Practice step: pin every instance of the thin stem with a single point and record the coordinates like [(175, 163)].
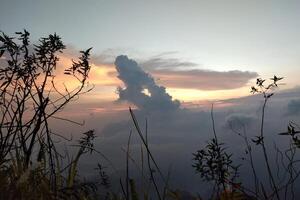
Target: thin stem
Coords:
[(273, 184)]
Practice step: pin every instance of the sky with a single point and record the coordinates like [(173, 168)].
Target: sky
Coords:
[(249, 36), (170, 60)]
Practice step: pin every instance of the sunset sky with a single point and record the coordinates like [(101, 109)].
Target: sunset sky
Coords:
[(198, 50), (170, 60)]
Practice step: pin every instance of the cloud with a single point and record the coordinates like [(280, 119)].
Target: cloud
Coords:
[(174, 72), (204, 79), (293, 107), (239, 121), (164, 60), (106, 57), (177, 73), (161, 62), (174, 136), (136, 81)]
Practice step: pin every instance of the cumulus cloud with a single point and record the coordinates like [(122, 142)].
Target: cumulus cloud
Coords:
[(136, 81)]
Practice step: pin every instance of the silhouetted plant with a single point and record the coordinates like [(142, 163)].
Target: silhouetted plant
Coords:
[(241, 131), (29, 97), (161, 195), (104, 181), (213, 163), (292, 131), (267, 92), (282, 180)]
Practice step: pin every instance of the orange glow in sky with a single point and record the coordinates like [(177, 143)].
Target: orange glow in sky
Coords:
[(105, 81), (196, 95)]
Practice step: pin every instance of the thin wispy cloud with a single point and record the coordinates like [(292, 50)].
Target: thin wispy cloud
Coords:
[(204, 79), (164, 61)]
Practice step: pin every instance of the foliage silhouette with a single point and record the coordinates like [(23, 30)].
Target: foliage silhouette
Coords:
[(29, 98), (213, 162)]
